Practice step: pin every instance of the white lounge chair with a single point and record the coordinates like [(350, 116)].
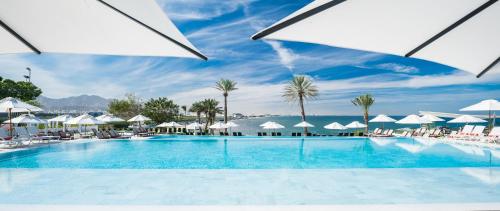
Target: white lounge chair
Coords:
[(493, 136), (466, 130), (6, 141), (476, 134)]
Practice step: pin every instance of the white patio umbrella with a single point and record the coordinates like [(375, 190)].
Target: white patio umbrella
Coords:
[(273, 126), (60, 118), (169, 124), (382, 118), (139, 118), (109, 118), (413, 120), (24, 119), (335, 126), (218, 126), (410, 28), (432, 118), (467, 119), (304, 124), (485, 105), (194, 126), (9, 105), (231, 125), (85, 120), (355, 125), (107, 27)]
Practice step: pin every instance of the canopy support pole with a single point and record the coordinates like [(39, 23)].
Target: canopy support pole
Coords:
[(488, 68), (451, 27), (19, 37), (155, 31), (297, 18)]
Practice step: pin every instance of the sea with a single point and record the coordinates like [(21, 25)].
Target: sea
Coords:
[(250, 126)]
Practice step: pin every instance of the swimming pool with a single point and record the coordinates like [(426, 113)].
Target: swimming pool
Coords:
[(251, 171)]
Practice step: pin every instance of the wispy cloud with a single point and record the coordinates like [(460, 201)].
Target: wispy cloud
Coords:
[(287, 56), (399, 68)]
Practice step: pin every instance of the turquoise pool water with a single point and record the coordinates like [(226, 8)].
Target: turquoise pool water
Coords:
[(250, 153), (251, 171)]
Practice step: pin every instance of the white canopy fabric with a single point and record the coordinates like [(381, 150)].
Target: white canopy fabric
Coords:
[(273, 126), (231, 125), (16, 105), (432, 118), (170, 124), (466, 119), (413, 120), (335, 126), (304, 124), (218, 126), (61, 118), (106, 27), (464, 35), (84, 119), (26, 119), (266, 123), (382, 118), (194, 126), (485, 105), (139, 118), (108, 118), (355, 124)]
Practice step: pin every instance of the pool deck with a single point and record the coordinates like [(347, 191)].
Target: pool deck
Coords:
[(409, 207)]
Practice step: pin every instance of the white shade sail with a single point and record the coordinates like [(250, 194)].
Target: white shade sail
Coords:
[(485, 105), (304, 124), (61, 118), (273, 126), (413, 120), (231, 125), (84, 119), (464, 35), (16, 105), (382, 118), (467, 119), (355, 124), (109, 118), (218, 126), (139, 118), (170, 124), (432, 118), (335, 126), (105, 27)]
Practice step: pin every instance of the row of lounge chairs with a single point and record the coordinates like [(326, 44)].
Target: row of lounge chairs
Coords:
[(227, 134), (142, 132), (106, 134), (476, 133), (382, 133), (423, 132), (272, 134)]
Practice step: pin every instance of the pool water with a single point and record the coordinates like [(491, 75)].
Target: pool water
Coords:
[(251, 153), (251, 171)]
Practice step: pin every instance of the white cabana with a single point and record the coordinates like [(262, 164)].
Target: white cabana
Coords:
[(170, 125), (485, 105), (84, 119), (139, 118), (467, 119), (231, 125), (439, 31), (304, 124), (355, 124), (382, 118), (266, 123), (218, 126), (413, 120), (106, 27), (273, 126), (60, 118), (9, 105), (335, 126), (194, 126), (432, 118), (109, 118)]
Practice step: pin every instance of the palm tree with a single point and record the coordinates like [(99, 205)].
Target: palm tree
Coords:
[(364, 101), (300, 88), (226, 86), (210, 108), (197, 107)]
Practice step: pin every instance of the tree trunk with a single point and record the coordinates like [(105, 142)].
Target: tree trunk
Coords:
[(302, 112), (225, 110), (365, 116)]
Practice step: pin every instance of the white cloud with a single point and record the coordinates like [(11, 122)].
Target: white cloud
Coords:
[(399, 68), (184, 10), (287, 56)]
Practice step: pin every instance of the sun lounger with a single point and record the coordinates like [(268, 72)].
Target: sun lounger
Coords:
[(492, 137), (278, 134)]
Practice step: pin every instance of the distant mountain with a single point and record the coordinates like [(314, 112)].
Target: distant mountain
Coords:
[(77, 104)]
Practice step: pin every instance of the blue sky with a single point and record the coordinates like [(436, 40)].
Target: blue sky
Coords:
[(222, 30)]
